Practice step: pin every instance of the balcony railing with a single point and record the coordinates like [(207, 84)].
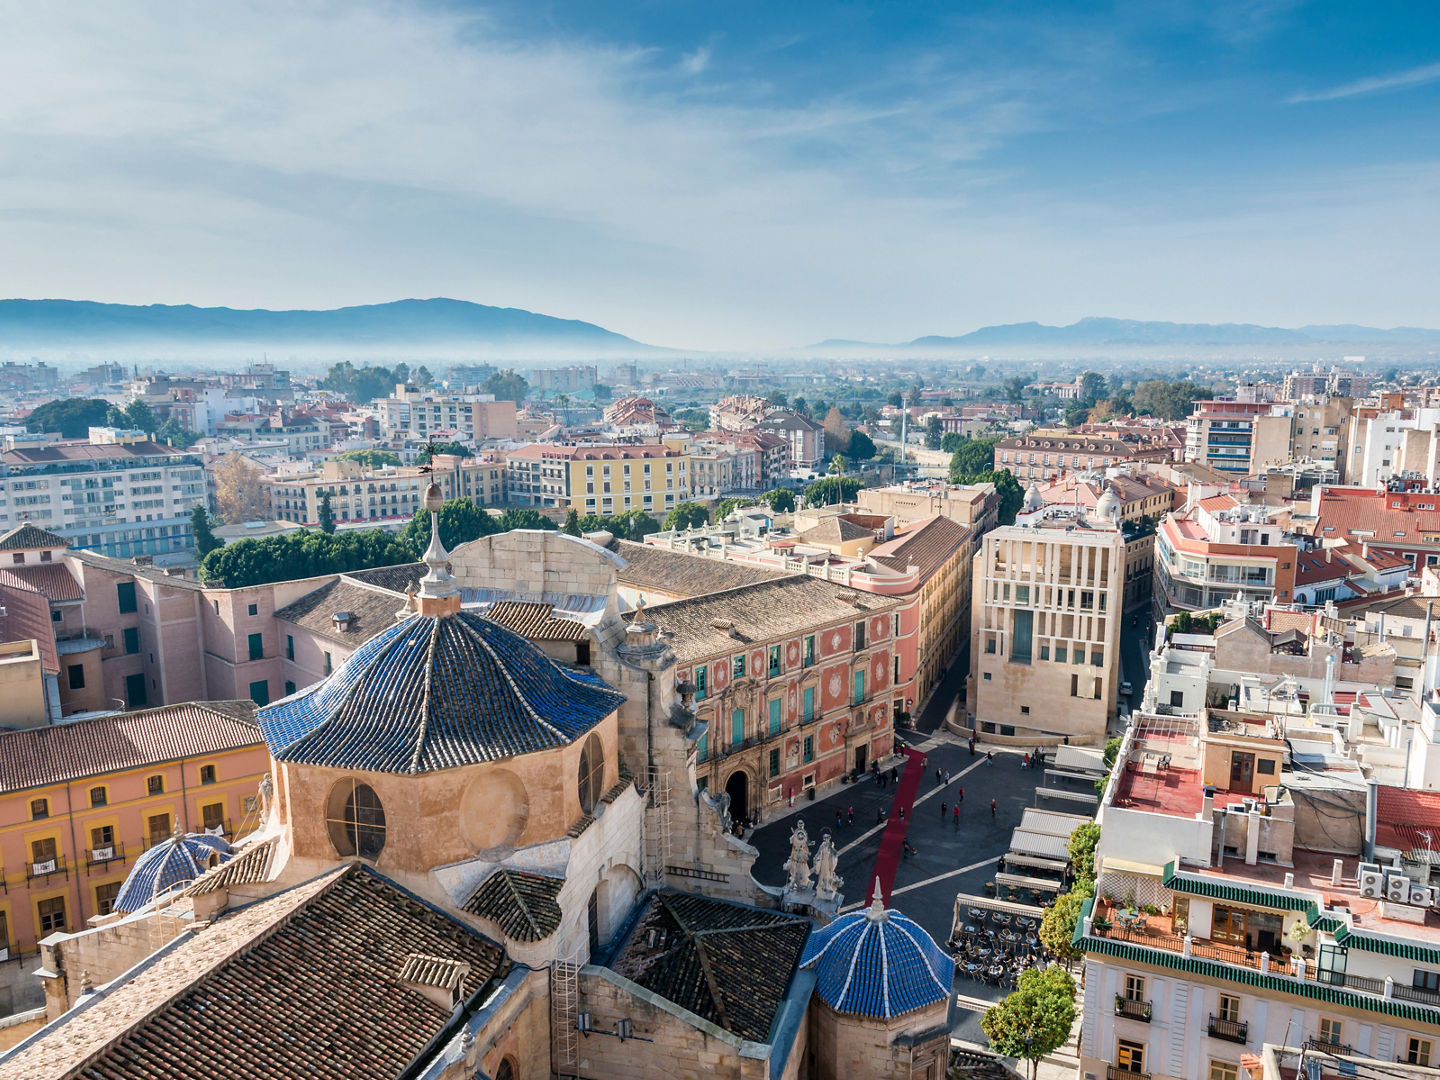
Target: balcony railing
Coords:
[(1132, 1009), (1236, 1031), (45, 869), (1114, 1072), (105, 855), (1325, 1046)]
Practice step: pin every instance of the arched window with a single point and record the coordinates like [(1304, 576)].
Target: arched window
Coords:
[(592, 774), (506, 1071), (356, 820)]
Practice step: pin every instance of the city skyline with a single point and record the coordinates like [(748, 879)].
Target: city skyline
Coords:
[(736, 179)]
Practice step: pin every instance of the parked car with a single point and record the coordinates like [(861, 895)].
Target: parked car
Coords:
[(1126, 689)]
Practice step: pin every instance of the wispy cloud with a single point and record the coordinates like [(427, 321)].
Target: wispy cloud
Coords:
[(696, 62), (1376, 84)]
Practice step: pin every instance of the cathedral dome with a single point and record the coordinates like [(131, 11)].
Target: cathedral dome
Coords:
[(1033, 499), (877, 963), (169, 865), (1107, 507), (436, 692)]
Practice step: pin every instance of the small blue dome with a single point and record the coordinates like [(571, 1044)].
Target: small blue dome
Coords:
[(877, 963), (166, 867)]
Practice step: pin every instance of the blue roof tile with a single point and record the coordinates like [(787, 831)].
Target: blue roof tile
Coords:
[(436, 692), (879, 967), (169, 865)]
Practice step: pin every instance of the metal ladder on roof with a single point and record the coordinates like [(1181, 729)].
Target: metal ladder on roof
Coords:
[(565, 1015), (657, 827)]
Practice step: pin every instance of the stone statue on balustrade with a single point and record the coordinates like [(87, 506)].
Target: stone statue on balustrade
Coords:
[(798, 865), (827, 881)]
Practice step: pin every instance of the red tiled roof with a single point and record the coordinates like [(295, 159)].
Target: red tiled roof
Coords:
[(53, 580), (1401, 812), (926, 544), (1312, 566), (28, 537), (27, 615), (61, 752), (594, 453)]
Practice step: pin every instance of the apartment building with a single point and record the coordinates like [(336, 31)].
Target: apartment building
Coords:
[(1223, 547), (80, 801), (717, 470), (1047, 455), (975, 506), (1375, 521), (417, 414), (1304, 384), (1384, 443), (795, 680), (1238, 438), (386, 495), (599, 479), (1045, 627), (772, 451), (1319, 430), (805, 436), (1219, 925), (117, 492), (576, 379), (302, 433)]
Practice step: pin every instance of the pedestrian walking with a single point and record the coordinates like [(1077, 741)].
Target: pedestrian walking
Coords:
[(962, 799), (943, 808), (880, 816), (989, 758), (992, 808), (902, 813), (972, 745), (955, 815), (939, 775), (850, 816), (839, 820), (894, 775), (1025, 761)]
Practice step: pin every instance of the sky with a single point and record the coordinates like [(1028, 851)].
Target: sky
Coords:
[(732, 176)]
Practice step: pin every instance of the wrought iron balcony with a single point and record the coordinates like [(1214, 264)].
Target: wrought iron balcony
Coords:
[(1133, 1009), (1236, 1031)]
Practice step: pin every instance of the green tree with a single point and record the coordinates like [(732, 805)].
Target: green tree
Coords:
[(401, 371), (1166, 399), (838, 465), (915, 398), (1007, 489), (453, 449), (177, 435), (137, 416), (725, 506), (830, 490), (523, 517), (507, 386), (781, 500), (1092, 387), (1015, 388), (572, 522), (71, 417), (372, 459), (1057, 928), (862, 447), (972, 457), (327, 515), (301, 553), (1036, 1019), (934, 433), (951, 441), (777, 397), (800, 406), (1084, 838), (205, 539), (423, 378), (602, 394), (686, 515), (461, 521), (896, 399), (360, 384), (837, 432)]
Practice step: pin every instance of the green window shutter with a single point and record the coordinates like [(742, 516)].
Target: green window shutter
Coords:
[(775, 716), (737, 727)]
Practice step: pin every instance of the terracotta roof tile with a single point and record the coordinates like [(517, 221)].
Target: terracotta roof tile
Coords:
[(27, 615), (28, 537), (524, 905), (60, 752), (400, 579), (678, 574), (536, 621), (927, 545), (371, 610), (54, 580)]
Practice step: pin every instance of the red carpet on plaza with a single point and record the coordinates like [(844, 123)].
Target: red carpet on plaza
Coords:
[(887, 860)]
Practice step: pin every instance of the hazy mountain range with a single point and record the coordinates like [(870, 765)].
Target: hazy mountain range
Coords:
[(1099, 331), (403, 323)]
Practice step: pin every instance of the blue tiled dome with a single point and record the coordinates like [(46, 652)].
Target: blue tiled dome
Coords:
[(167, 866), (880, 965), (435, 692)]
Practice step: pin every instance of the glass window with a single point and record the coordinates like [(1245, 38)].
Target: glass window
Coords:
[(212, 816), (774, 660), (774, 763), (52, 914), (702, 674), (1229, 1008), (158, 828), (807, 703), (1417, 1051), (99, 796), (1130, 1056), (809, 748), (809, 650), (132, 640), (289, 646), (39, 808), (75, 673), (155, 785), (1224, 1070), (1331, 1030), (207, 774), (356, 820), (125, 597), (254, 609), (739, 665), (1020, 642)]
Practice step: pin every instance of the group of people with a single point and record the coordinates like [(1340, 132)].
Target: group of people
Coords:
[(995, 947)]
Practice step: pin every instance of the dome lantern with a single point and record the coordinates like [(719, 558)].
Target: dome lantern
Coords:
[(439, 591)]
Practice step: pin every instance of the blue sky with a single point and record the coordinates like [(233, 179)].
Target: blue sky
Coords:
[(731, 175)]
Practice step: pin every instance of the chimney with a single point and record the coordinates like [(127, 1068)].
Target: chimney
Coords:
[(1337, 872), (1372, 796), (440, 979)]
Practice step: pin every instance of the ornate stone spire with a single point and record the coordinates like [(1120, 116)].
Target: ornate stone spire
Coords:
[(876, 911), (439, 592)]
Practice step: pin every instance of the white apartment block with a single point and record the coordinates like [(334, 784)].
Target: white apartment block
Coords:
[(118, 493), (1391, 443), (381, 496), (1046, 607), (469, 418), (717, 471)]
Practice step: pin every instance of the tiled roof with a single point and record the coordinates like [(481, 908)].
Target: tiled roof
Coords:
[(1312, 566), (304, 984), (1217, 888), (435, 693), (401, 579), (836, 530), (371, 610), (536, 621), (27, 537), (168, 866), (250, 865), (54, 580), (128, 567), (628, 452), (926, 544), (728, 964), (27, 615), (523, 904), (723, 622), (54, 754), (433, 971), (678, 574), (880, 967), (1401, 812)]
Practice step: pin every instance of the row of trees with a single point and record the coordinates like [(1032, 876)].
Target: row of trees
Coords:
[(1036, 1019), (309, 552), (372, 380), (74, 417)]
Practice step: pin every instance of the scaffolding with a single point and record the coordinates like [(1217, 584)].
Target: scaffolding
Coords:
[(564, 1014), (657, 831)]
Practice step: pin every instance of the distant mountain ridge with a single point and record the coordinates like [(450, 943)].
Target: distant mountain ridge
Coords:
[(402, 322), (1106, 331)]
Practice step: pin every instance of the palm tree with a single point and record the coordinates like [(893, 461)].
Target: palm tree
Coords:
[(837, 465)]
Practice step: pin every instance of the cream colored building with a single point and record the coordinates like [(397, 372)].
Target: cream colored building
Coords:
[(359, 493), (1045, 626), (470, 417)]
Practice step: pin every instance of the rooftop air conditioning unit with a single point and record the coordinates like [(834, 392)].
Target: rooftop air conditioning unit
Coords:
[(1421, 895), (1397, 887), (1372, 883)]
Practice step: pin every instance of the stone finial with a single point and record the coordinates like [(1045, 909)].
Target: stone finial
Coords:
[(876, 910), (439, 591), (87, 984)]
